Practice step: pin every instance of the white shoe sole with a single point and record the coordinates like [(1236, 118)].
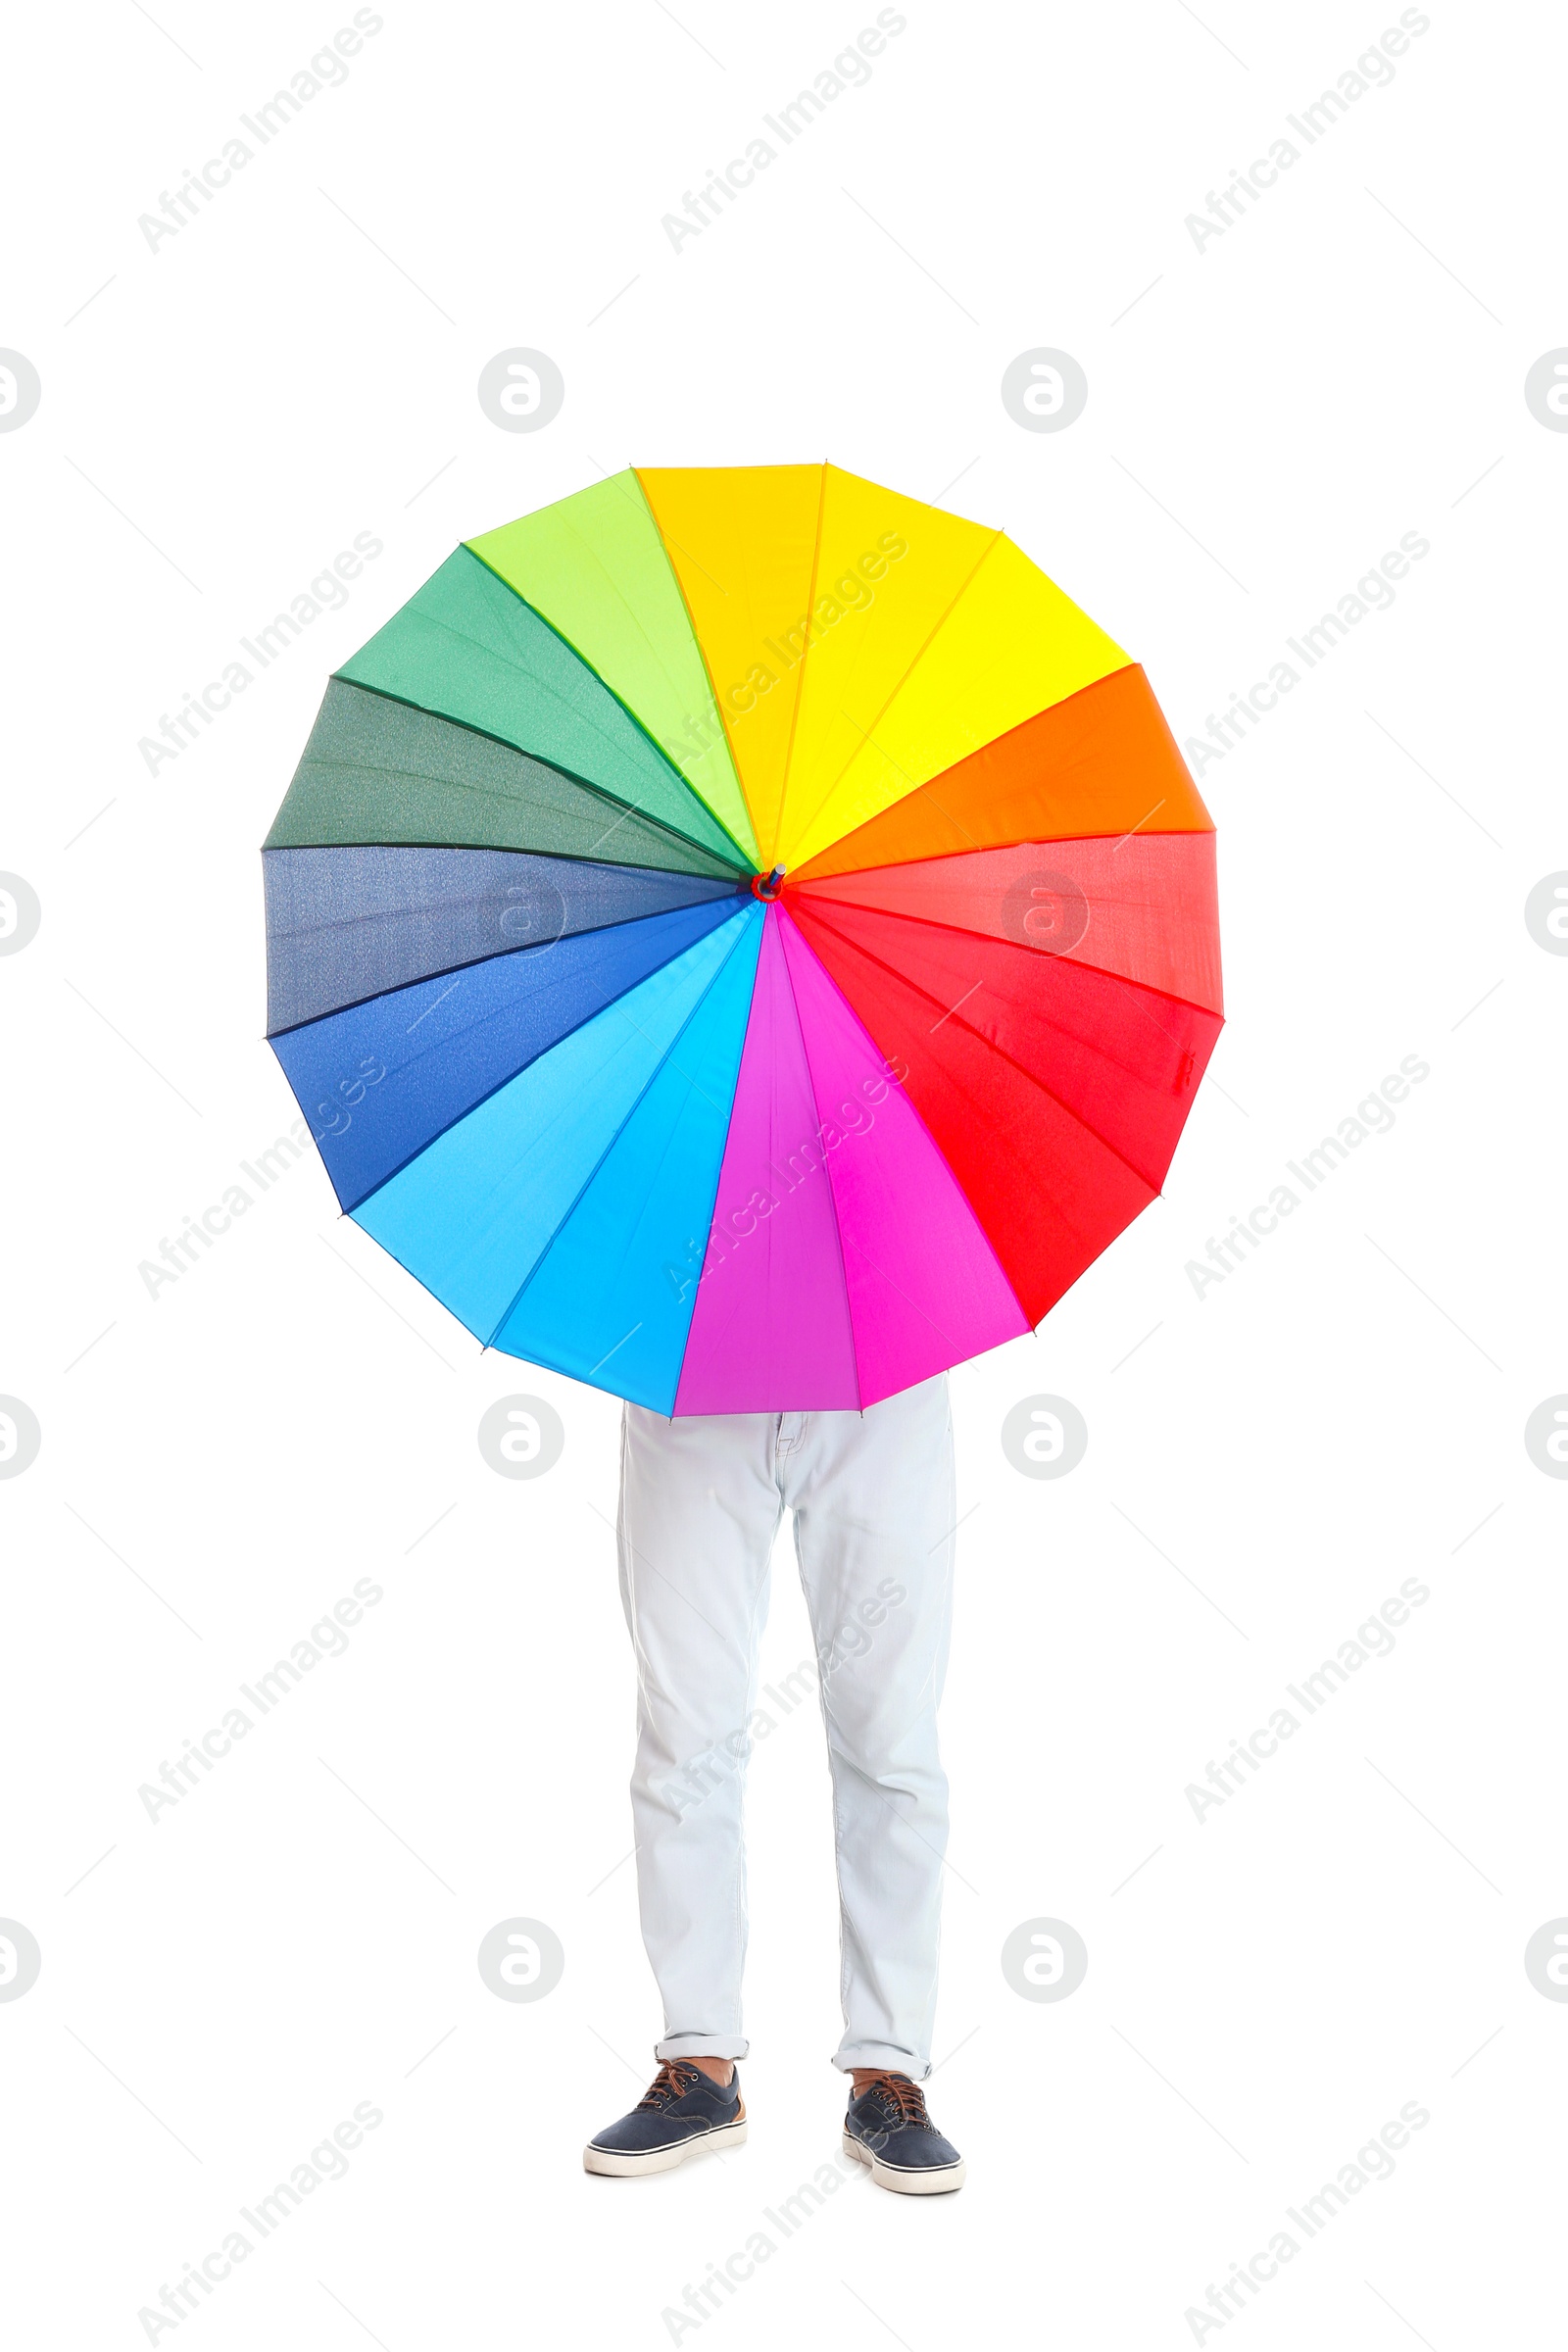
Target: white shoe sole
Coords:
[(905, 2183), (611, 2162)]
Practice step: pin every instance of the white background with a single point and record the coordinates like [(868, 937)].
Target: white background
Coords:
[(221, 1463)]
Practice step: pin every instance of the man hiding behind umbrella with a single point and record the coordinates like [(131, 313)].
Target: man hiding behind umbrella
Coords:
[(701, 1502)]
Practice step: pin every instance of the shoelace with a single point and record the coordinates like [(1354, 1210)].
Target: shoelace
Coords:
[(672, 2081), (904, 2099)]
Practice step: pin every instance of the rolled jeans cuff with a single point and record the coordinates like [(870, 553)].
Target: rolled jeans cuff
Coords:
[(885, 2058), (702, 2046)]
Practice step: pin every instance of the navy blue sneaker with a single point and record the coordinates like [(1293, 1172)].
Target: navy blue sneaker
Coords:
[(888, 2129), (683, 2115)]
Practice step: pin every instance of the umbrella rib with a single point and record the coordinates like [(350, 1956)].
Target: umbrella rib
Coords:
[(799, 683), (470, 963), (665, 543), (578, 654), (718, 1166), (942, 1158), (980, 1228), (1004, 1054), (1014, 1062), (819, 896), (957, 823), (646, 507), (912, 786), (599, 791), (667, 539), (614, 1139), (728, 875), (588, 783), (817, 1106), (1084, 759), (901, 680), (811, 875), (447, 628), (611, 1003)]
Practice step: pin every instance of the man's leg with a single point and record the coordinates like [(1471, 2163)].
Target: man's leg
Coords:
[(872, 1495), (699, 1509)]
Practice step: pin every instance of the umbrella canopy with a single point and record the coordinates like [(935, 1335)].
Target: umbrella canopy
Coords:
[(743, 938)]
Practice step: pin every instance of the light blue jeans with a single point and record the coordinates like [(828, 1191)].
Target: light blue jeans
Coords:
[(700, 1500)]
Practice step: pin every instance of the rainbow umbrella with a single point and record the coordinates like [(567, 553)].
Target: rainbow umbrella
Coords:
[(743, 938)]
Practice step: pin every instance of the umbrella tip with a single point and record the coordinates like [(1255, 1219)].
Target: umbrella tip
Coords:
[(769, 886)]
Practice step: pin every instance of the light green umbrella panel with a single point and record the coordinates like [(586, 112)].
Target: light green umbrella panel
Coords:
[(596, 567)]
